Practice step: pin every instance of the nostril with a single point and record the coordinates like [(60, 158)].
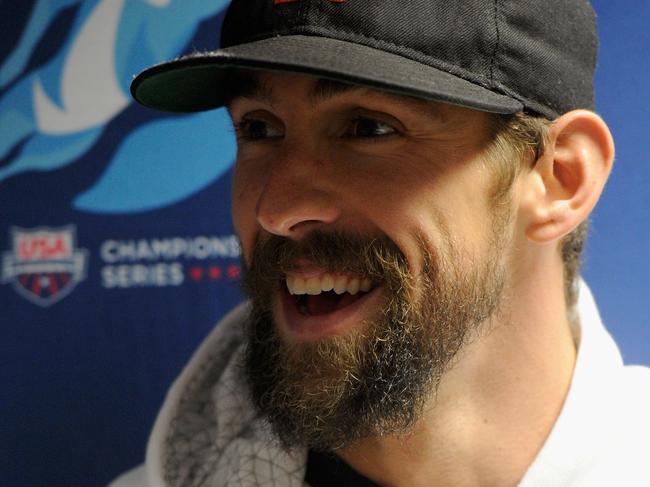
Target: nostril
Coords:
[(297, 227)]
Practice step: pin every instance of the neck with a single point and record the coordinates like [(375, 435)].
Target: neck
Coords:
[(495, 407)]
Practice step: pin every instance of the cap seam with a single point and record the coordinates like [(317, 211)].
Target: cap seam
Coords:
[(497, 42), (303, 9)]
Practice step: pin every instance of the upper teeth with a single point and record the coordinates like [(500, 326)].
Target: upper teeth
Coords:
[(327, 282)]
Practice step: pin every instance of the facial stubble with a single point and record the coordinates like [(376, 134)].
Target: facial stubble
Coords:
[(376, 379)]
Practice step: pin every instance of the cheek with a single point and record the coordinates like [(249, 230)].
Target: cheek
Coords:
[(449, 210), (244, 202)]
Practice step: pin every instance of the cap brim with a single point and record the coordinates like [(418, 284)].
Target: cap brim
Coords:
[(197, 82)]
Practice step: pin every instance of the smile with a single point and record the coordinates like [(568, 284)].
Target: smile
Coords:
[(316, 285), (318, 304)]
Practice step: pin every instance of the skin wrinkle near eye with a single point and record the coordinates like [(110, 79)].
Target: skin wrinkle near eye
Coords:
[(442, 121), (402, 117)]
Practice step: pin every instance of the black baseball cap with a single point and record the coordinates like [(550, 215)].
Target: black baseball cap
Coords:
[(499, 56)]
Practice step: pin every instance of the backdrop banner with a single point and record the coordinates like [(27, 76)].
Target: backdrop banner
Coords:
[(117, 253)]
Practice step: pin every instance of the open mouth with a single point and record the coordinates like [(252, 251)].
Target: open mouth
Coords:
[(317, 304), (320, 295)]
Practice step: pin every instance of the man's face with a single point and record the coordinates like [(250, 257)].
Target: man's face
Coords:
[(371, 249)]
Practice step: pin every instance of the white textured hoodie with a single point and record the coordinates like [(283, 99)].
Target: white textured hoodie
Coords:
[(207, 433)]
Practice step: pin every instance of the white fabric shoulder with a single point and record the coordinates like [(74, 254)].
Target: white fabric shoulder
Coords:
[(602, 435), (136, 477), (225, 336), (208, 433)]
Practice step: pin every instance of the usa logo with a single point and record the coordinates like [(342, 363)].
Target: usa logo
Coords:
[(44, 264)]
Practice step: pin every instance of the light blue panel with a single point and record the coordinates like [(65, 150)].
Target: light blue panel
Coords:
[(163, 162), (618, 255)]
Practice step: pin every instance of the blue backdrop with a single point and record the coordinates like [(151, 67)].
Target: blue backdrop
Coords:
[(117, 253)]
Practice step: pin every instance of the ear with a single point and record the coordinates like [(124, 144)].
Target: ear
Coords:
[(569, 177)]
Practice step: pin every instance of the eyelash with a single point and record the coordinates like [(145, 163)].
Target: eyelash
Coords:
[(362, 118), (241, 129)]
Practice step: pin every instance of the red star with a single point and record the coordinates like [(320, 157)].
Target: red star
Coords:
[(196, 273), (233, 271), (214, 272)]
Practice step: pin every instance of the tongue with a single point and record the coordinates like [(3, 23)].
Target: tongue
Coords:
[(329, 302)]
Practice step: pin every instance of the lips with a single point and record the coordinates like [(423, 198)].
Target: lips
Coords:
[(316, 304)]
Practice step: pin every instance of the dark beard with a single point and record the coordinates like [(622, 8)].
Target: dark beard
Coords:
[(376, 379)]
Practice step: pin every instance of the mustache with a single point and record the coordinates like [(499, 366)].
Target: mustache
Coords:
[(377, 258)]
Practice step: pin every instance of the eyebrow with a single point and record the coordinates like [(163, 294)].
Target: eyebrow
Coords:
[(247, 84), (325, 89)]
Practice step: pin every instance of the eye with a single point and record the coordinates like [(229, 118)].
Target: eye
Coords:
[(368, 128), (252, 129)]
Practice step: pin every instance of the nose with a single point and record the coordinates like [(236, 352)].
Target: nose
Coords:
[(297, 197)]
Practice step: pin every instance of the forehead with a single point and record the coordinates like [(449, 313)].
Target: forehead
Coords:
[(271, 88)]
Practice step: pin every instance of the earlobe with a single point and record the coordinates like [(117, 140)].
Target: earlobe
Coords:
[(569, 177)]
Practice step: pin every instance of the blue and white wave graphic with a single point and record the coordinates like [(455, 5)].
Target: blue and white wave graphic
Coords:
[(53, 114)]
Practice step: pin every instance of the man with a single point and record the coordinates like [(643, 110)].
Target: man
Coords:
[(410, 192)]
